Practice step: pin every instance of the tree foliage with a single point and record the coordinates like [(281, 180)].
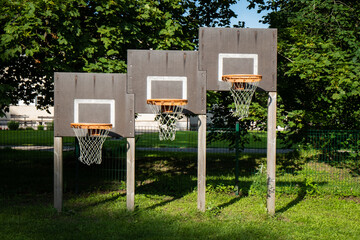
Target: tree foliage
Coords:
[(319, 61), (40, 37), (221, 106)]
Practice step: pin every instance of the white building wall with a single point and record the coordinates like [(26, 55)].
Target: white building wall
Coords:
[(31, 115), (144, 121)]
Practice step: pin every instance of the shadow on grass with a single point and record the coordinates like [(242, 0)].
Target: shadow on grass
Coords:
[(166, 174), (306, 188), (231, 202), (96, 203), (293, 203), (172, 186), (41, 223), (163, 203), (19, 175)]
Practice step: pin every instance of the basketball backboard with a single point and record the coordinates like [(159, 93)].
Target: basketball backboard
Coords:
[(227, 51), (154, 74), (93, 98)]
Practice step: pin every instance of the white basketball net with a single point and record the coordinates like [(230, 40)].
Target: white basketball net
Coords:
[(91, 142), (242, 93), (167, 120)]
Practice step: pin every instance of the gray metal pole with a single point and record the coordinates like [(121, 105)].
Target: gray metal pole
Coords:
[(271, 153), (130, 174), (58, 173), (201, 162)]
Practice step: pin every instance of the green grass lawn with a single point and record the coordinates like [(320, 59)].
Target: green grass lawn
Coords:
[(29, 138), (103, 215), (184, 139), (166, 202), (318, 201), (255, 139)]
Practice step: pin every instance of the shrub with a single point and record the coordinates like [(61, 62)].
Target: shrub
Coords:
[(40, 127), (50, 126), (29, 128), (13, 125), (259, 185)]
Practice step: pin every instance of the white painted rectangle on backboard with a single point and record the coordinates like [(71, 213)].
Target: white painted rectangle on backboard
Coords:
[(222, 56), (151, 79), (109, 102)]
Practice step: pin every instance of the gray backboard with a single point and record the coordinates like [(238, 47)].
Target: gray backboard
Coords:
[(166, 74), (238, 51), (93, 98)]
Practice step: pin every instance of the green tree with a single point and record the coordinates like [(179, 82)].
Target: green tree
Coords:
[(318, 62), (40, 37), (221, 105)]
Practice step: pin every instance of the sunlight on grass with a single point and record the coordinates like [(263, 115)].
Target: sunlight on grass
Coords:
[(104, 216), (315, 198)]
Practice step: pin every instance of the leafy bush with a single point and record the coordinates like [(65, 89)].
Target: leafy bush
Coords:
[(259, 185), (220, 188), (40, 127), (13, 125), (308, 187), (29, 128), (311, 187), (50, 126), (292, 161)]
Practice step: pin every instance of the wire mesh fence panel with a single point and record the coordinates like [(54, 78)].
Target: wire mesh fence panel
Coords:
[(26, 160), (157, 158), (329, 162), (111, 173), (114, 153), (165, 167), (333, 160)]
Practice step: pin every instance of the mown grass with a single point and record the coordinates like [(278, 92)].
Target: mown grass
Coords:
[(307, 207), (188, 139), (184, 139), (35, 167), (29, 138), (100, 215)]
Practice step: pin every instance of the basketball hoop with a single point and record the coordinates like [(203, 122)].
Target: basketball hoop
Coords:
[(243, 87), (168, 112), (91, 137)]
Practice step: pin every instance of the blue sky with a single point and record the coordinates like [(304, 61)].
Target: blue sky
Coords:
[(251, 17)]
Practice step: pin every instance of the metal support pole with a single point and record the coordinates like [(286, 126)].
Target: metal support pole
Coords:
[(237, 139), (201, 162), (58, 173), (271, 153), (130, 174)]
